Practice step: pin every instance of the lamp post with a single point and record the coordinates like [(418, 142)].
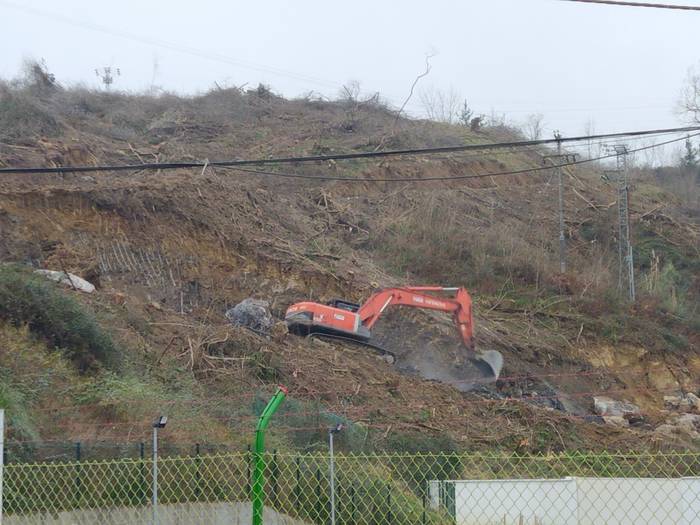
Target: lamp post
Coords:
[(158, 423), (332, 432)]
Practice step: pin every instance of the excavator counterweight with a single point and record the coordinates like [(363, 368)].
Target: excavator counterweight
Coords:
[(346, 320)]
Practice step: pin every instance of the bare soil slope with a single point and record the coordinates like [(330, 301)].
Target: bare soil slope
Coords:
[(171, 251)]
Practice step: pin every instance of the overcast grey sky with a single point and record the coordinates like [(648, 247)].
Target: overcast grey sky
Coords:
[(623, 67)]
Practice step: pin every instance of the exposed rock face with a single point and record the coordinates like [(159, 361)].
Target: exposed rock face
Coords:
[(682, 402), (605, 406), (686, 425), (617, 421), (693, 401)]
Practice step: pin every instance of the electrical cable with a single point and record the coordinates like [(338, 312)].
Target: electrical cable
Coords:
[(638, 4), (347, 156), (453, 177)]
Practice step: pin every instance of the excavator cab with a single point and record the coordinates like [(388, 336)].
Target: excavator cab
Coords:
[(342, 304)]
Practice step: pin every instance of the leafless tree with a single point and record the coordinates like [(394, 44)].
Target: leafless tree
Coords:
[(405, 102), (413, 86), (350, 92), (442, 106), (689, 103), (534, 126)]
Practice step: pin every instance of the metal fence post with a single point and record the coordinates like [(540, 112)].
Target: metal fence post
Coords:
[(197, 473), (353, 503), (331, 475), (318, 494), (2, 455), (249, 467), (258, 489), (389, 514), (297, 488), (142, 455), (154, 493), (274, 474), (78, 456)]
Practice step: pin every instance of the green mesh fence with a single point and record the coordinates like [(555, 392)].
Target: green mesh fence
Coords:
[(456, 489)]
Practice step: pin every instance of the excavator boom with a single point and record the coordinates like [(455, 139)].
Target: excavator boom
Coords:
[(344, 319), (417, 297)]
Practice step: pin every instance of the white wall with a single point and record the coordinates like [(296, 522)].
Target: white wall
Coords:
[(575, 501)]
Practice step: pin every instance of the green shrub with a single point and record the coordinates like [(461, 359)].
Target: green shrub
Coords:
[(53, 315)]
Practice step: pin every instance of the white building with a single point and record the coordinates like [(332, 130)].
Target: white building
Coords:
[(569, 501)]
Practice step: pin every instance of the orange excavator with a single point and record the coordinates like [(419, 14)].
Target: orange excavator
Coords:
[(345, 320)]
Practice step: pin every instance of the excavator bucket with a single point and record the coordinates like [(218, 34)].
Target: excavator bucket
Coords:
[(489, 362)]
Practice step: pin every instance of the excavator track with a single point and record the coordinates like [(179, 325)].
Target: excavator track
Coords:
[(390, 357)]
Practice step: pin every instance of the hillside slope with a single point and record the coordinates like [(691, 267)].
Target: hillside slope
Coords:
[(170, 252)]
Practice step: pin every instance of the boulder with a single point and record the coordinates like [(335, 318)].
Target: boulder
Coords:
[(251, 313), (605, 406), (616, 421), (693, 401), (673, 402), (681, 401), (686, 425), (689, 423), (68, 279), (666, 431)]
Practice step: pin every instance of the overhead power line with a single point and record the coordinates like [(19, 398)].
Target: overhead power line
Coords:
[(346, 156), (638, 4), (453, 177)]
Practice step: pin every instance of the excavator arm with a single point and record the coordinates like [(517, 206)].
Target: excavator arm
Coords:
[(345, 320), (415, 296)]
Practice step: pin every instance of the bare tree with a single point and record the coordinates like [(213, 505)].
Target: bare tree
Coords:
[(413, 86), (442, 106), (689, 103), (534, 126), (425, 73), (350, 92)]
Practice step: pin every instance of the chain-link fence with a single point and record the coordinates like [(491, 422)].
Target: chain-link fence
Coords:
[(65, 451), (457, 489)]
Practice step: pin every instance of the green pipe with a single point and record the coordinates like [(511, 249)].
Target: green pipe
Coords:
[(258, 493)]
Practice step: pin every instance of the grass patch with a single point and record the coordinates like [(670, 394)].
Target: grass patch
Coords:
[(51, 314)]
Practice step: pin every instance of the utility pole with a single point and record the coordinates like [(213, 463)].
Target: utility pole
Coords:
[(625, 280), (106, 75), (561, 159)]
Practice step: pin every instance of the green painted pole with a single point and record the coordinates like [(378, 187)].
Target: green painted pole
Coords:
[(258, 493)]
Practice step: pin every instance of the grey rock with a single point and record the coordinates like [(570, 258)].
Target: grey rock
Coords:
[(693, 401), (616, 421), (605, 406), (251, 313)]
